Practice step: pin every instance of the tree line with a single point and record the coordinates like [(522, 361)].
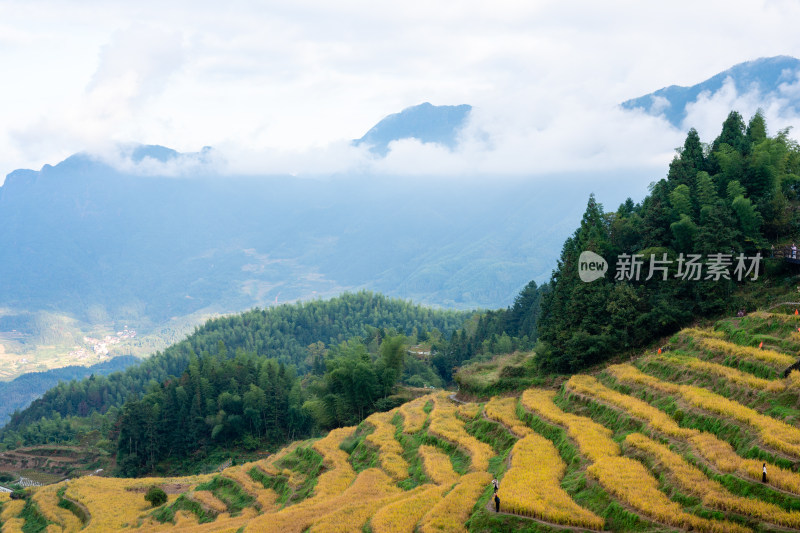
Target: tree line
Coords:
[(493, 332), (255, 402)]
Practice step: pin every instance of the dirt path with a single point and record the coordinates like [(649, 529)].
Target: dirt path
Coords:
[(82, 508), (169, 488), (453, 398)]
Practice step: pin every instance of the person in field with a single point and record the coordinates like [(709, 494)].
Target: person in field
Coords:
[(496, 503), (764, 473)]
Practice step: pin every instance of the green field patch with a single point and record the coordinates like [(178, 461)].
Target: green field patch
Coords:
[(229, 492), (306, 461), (35, 522), (362, 454), (184, 503)]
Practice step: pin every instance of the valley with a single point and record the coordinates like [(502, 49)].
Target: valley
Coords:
[(47, 341)]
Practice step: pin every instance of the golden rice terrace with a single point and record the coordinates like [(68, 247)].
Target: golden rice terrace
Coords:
[(672, 440)]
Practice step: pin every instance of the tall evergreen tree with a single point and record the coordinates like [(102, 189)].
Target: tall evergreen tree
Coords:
[(733, 133), (692, 152)]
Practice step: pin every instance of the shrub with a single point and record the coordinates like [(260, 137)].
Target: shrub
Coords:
[(156, 496), (512, 371)]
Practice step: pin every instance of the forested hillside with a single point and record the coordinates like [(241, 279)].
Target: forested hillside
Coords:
[(494, 332), (255, 402), (736, 196), (723, 202), (296, 336)]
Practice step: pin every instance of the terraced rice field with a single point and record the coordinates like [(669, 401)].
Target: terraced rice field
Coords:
[(676, 440)]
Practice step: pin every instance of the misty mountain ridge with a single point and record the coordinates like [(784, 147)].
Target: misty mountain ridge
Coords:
[(90, 239), (146, 250), (425, 122), (767, 76)]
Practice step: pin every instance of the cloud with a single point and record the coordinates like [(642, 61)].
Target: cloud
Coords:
[(134, 68), (709, 111), (495, 143), (501, 140), (128, 159), (113, 105), (282, 87), (491, 145)]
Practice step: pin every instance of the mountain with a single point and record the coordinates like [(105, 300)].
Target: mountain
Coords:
[(425, 122), (766, 76), (18, 393), (155, 152), (159, 242), (108, 247), (90, 240)]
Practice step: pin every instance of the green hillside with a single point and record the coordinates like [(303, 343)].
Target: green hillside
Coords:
[(286, 342)]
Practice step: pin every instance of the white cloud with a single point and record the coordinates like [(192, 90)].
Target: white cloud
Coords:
[(710, 110), (133, 69), (282, 87), (183, 165), (659, 105)]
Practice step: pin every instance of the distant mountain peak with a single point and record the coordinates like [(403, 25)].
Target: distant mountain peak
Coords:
[(131, 158), (764, 75), (425, 122), (153, 151), (133, 152)]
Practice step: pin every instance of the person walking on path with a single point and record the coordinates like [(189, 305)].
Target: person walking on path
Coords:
[(496, 503), (764, 474), (496, 485)]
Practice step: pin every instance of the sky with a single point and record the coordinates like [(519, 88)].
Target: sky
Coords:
[(281, 87)]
